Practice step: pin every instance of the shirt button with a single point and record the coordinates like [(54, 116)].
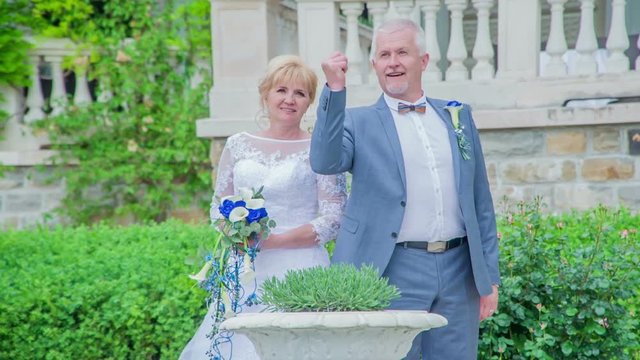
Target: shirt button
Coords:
[(394, 235), (403, 204)]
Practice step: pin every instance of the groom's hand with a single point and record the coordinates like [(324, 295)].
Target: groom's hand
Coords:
[(335, 70), (489, 304)]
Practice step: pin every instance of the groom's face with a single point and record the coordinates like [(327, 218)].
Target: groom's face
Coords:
[(399, 64)]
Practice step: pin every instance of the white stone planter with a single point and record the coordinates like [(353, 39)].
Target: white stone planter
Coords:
[(376, 335)]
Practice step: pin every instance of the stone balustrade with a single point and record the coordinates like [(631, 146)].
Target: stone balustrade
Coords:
[(59, 77), (519, 63), (483, 52)]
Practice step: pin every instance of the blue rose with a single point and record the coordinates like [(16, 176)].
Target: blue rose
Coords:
[(228, 205), (225, 208), (256, 215), (453, 103)]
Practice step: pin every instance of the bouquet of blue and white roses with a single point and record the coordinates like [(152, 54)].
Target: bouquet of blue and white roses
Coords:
[(229, 272)]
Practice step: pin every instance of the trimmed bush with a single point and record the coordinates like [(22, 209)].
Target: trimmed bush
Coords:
[(99, 292), (570, 286), (571, 289)]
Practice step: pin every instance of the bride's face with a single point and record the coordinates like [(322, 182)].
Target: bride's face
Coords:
[(287, 103)]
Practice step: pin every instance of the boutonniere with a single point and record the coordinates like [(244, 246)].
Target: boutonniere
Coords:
[(454, 108)]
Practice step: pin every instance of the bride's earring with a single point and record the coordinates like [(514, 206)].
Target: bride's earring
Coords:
[(262, 119), (306, 122)]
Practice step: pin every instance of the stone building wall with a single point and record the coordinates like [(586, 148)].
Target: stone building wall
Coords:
[(26, 198), (570, 167)]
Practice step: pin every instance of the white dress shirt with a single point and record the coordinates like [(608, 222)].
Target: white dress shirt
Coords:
[(432, 211)]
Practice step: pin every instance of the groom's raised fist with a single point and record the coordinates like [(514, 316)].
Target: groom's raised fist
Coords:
[(335, 70)]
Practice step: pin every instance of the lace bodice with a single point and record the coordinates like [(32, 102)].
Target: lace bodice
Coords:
[(294, 194)]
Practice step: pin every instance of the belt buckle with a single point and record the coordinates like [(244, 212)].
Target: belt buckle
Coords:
[(437, 247)]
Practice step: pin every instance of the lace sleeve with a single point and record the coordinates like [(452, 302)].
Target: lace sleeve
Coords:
[(332, 196), (224, 180)]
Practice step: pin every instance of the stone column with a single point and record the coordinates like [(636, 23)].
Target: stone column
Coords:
[(243, 37), (318, 31), (518, 38)]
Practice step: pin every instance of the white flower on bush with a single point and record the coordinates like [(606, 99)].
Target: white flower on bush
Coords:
[(132, 145), (122, 57)]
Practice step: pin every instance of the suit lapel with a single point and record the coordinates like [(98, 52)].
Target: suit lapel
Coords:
[(455, 152), (386, 119)]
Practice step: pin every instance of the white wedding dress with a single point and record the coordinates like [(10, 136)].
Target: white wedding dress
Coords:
[(294, 196)]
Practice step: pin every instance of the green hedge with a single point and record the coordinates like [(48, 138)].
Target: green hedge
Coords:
[(571, 289), (99, 292), (571, 286)]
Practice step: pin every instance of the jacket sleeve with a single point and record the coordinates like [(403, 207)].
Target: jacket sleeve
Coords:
[(484, 208), (332, 141)]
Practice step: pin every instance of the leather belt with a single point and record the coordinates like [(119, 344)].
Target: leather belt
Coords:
[(435, 246)]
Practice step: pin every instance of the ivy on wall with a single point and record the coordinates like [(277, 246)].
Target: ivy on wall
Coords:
[(14, 65)]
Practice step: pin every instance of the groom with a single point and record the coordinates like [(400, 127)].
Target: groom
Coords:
[(420, 209)]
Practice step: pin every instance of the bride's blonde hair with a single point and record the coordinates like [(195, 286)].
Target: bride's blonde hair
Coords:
[(286, 69)]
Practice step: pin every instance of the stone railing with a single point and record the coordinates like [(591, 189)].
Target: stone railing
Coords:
[(51, 89), (483, 52)]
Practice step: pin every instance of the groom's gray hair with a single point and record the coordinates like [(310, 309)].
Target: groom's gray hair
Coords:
[(398, 24)]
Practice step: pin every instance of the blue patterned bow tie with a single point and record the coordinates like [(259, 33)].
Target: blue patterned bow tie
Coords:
[(405, 108)]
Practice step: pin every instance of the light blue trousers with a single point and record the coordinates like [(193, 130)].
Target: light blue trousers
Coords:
[(442, 284)]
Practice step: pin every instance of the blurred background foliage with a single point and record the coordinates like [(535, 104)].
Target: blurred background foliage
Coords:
[(132, 154)]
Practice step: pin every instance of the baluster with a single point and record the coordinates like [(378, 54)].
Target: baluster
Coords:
[(35, 98), (404, 8), (392, 13), (638, 58), (104, 90), (587, 43), (58, 99), (377, 9), (82, 95), (617, 41), (430, 8), (352, 10), (457, 52), (557, 43), (313, 45), (518, 39), (483, 50)]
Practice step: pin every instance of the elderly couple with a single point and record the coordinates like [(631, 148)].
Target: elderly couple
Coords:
[(420, 208)]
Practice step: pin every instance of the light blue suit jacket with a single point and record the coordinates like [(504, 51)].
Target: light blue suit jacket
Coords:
[(364, 141)]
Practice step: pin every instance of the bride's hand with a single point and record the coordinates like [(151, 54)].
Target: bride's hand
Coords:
[(258, 241)]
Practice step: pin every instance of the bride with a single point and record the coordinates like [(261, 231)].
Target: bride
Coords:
[(306, 206)]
